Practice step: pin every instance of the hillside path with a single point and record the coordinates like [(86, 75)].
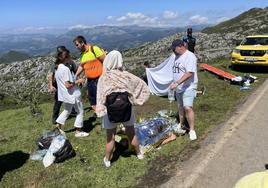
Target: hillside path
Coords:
[(231, 151)]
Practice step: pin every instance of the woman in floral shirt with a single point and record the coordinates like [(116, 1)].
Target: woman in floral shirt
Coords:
[(114, 79)]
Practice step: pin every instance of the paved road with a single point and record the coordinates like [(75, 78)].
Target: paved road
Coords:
[(238, 148)]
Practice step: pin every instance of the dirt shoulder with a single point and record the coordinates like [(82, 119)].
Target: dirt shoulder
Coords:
[(232, 150)]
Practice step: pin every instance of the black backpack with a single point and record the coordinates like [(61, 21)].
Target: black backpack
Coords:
[(118, 107), (191, 44)]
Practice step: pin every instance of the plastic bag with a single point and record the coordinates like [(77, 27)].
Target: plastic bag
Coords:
[(45, 140), (65, 152), (56, 144), (38, 155)]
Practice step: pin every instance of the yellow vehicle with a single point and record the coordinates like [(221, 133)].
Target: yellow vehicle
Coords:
[(253, 50)]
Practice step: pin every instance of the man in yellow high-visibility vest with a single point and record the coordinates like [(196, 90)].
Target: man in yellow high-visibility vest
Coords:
[(91, 62)]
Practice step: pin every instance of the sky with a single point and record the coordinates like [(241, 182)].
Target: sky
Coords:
[(36, 16)]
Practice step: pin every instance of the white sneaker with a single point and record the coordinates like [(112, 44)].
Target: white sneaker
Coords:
[(106, 162), (192, 135), (140, 156), (81, 134), (179, 130)]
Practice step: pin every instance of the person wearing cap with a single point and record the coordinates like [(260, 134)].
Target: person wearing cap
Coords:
[(53, 84), (185, 83), (189, 40)]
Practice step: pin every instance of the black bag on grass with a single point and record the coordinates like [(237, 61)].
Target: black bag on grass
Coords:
[(65, 152), (45, 140), (118, 107)]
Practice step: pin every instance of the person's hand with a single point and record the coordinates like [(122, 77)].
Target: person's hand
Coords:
[(80, 81), (52, 89), (173, 85)]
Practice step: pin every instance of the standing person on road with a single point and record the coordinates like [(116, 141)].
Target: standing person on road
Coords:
[(69, 93), (91, 63), (185, 82), (53, 84), (189, 40)]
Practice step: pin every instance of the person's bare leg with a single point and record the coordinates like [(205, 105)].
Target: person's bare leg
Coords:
[(130, 131), (110, 142), (181, 115), (169, 139), (190, 117)]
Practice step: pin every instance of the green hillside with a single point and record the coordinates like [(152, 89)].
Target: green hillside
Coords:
[(12, 56), (253, 21)]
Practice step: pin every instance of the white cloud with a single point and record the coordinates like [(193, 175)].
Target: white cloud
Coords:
[(222, 19), (170, 14), (197, 19), (121, 19), (79, 26), (136, 18), (32, 29), (165, 19)]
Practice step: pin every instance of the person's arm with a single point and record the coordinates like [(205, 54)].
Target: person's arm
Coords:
[(79, 70), (185, 77), (101, 58), (50, 79), (69, 84)]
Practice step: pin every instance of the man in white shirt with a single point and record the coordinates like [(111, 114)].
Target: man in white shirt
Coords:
[(185, 82), (69, 93)]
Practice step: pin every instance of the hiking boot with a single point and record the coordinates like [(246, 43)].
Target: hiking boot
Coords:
[(192, 135), (107, 163), (81, 134)]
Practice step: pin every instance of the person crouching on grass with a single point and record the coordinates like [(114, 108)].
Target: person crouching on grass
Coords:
[(69, 93), (114, 79)]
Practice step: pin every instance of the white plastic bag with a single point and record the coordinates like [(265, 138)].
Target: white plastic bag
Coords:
[(56, 144)]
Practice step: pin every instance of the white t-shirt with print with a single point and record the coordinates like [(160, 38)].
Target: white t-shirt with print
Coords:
[(187, 62), (62, 75)]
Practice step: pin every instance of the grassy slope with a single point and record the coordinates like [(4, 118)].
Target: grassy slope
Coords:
[(232, 24), (19, 131)]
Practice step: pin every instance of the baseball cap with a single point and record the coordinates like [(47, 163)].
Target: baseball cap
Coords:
[(176, 43)]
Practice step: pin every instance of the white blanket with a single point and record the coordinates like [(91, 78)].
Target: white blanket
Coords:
[(160, 77)]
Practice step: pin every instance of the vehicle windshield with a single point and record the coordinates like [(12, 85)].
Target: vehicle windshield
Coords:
[(255, 41)]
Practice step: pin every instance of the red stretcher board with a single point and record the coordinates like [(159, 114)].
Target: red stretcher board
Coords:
[(216, 71)]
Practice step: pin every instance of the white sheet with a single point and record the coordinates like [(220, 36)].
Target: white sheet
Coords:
[(161, 76)]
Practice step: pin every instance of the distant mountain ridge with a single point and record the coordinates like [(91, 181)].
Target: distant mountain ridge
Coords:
[(109, 37)]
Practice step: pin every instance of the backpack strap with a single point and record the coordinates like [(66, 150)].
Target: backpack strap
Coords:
[(92, 50)]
